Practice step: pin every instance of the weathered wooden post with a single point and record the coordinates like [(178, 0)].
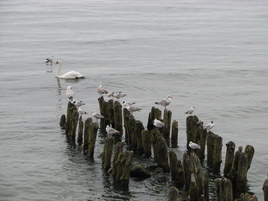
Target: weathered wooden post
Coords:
[(191, 123), (173, 194), (86, 130), (214, 150), (118, 123), (107, 153), (154, 114), (162, 152), (92, 134), (80, 131), (206, 187), (265, 190), (177, 170), (247, 197), (249, 151), (224, 189), (105, 111), (63, 121), (127, 118), (138, 130), (197, 170), (187, 170), (193, 192), (70, 109), (118, 149), (146, 143), (229, 157), (166, 127), (73, 122), (174, 134)]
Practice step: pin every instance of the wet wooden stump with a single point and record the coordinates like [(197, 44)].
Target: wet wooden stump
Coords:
[(187, 170), (240, 166), (197, 170), (118, 149), (107, 153), (62, 121), (86, 131), (176, 168), (154, 114), (103, 105), (265, 190), (167, 126), (173, 194), (92, 135), (80, 131), (174, 134), (224, 189), (74, 122), (69, 117), (229, 157), (247, 197), (206, 187), (197, 134), (138, 130), (214, 151), (146, 143), (117, 120), (193, 192), (160, 150)]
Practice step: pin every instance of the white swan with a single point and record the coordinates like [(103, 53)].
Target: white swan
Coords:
[(68, 75)]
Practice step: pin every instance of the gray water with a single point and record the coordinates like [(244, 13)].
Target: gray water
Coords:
[(209, 54)]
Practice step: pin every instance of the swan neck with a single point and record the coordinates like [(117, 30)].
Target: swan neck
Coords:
[(59, 70)]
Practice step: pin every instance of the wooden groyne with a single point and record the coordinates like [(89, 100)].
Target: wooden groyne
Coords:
[(190, 173)]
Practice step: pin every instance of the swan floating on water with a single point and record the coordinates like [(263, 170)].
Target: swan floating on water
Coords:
[(68, 75)]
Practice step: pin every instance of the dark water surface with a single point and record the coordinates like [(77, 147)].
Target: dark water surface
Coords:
[(207, 54)]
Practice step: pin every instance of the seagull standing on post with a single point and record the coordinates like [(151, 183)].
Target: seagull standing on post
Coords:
[(164, 102)]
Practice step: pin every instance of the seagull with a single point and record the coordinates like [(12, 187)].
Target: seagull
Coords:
[(193, 145), (209, 126), (101, 90), (110, 94), (111, 131), (165, 102), (49, 60), (77, 103), (80, 111), (132, 108), (69, 92), (129, 103), (158, 124), (118, 94), (190, 110), (96, 115)]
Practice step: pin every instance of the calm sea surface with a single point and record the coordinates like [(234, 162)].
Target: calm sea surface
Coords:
[(209, 54)]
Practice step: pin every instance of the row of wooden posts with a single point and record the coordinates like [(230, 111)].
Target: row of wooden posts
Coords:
[(154, 142)]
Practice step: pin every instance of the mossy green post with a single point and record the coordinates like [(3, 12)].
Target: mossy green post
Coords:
[(74, 122), (229, 157), (187, 170), (193, 192), (173, 194), (206, 187), (174, 134), (92, 135), (162, 152), (118, 149), (69, 116), (107, 153), (197, 170), (146, 143)]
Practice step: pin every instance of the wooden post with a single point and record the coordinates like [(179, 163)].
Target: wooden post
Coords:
[(162, 152), (118, 149), (146, 143), (247, 197), (154, 114), (206, 187), (92, 134), (127, 118), (74, 121), (118, 125), (193, 192), (214, 148), (187, 170), (166, 128), (265, 190), (173, 194), (229, 157), (249, 151), (224, 189), (191, 124), (80, 131), (105, 111), (138, 130), (126, 162), (174, 134), (63, 121), (70, 109), (107, 153), (177, 170), (197, 170), (86, 130)]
